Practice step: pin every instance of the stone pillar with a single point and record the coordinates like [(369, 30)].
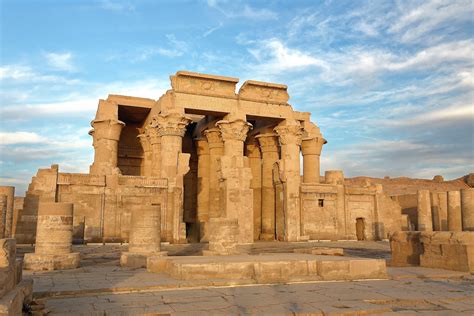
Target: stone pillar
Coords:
[(145, 234), (9, 191), (236, 196), (467, 209), (216, 150), (425, 222), (454, 211), (106, 135), (311, 150), (155, 147), (174, 165), (443, 210), (203, 188), (3, 213), (255, 161), (53, 239), (334, 177), (147, 155), (269, 149), (290, 136)]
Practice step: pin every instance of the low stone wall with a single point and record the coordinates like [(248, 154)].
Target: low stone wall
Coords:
[(13, 290), (443, 250)]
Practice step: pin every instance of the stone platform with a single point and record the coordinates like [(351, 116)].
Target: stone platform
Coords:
[(269, 268), (40, 262)]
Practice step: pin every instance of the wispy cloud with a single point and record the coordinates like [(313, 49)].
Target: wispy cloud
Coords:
[(25, 74), (60, 61), (235, 9), (115, 5), (212, 30), (14, 138)]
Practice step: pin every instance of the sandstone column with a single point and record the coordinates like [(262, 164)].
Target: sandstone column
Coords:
[(216, 150), (147, 155), (311, 150), (454, 211), (3, 214), (9, 191), (171, 128), (269, 148), (425, 222), (106, 135), (443, 210), (467, 209), (145, 234), (235, 176), (290, 136), (53, 239), (203, 187), (255, 161), (155, 147)]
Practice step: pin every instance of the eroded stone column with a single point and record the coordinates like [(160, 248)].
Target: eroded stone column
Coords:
[(290, 137), (53, 239), (443, 210), (9, 191), (255, 161), (147, 154), (467, 209), (269, 149), (155, 147), (216, 150), (203, 188), (3, 213), (454, 211), (106, 135), (311, 150), (425, 222), (145, 234)]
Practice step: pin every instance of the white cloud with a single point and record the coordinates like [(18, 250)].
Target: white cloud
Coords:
[(13, 138), (60, 61), (234, 9), (212, 30), (25, 74)]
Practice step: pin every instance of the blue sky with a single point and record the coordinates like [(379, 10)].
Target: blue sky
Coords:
[(390, 83)]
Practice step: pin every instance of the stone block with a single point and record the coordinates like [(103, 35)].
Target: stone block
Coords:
[(406, 248), (46, 262), (138, 260), (12, 303)]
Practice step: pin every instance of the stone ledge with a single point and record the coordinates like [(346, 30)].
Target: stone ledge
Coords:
[(12, 302), (323, 251), (38, 262), (138, 260)]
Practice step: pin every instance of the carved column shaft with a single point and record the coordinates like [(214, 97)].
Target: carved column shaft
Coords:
[(269, 149), (311, 150), (290, 136), (255, 161), (216, 150), (147, 155), (203, 187)]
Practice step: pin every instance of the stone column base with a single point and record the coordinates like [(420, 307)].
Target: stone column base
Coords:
[(138, 260), (39, 262), (12, 302), (267, 237), (303, 238)]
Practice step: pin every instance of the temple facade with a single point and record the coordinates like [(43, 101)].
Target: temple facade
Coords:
[(222, 167)]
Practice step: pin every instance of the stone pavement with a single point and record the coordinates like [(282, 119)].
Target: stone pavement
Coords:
[(102, 287)]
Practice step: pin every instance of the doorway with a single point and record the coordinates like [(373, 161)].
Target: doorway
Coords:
[(360, 228)]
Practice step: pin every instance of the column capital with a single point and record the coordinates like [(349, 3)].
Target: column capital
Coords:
[(144, 141), (234, 130), (214, 137), (252, 148), (268, 142), (106, 129), (172, 124), (152, 135), (289, 134), (312, 146)]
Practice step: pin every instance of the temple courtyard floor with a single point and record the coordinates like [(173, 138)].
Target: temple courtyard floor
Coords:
[(101, 287)]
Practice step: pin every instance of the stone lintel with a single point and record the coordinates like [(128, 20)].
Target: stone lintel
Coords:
[(131, 101), (264, 92), (203, 84), (318, 188)]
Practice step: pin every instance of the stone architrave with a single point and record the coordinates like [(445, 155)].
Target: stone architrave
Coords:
[(467, 209), (106, 135), (270, 155), (147, 155), (425, 222), (290, 136), (255, 161), (53, 239), (311, 150), (145, 234), (203, 188), (454, 211), (9, 191), (216, 150)]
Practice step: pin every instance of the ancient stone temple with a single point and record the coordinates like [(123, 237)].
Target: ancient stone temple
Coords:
[(219, 166)]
